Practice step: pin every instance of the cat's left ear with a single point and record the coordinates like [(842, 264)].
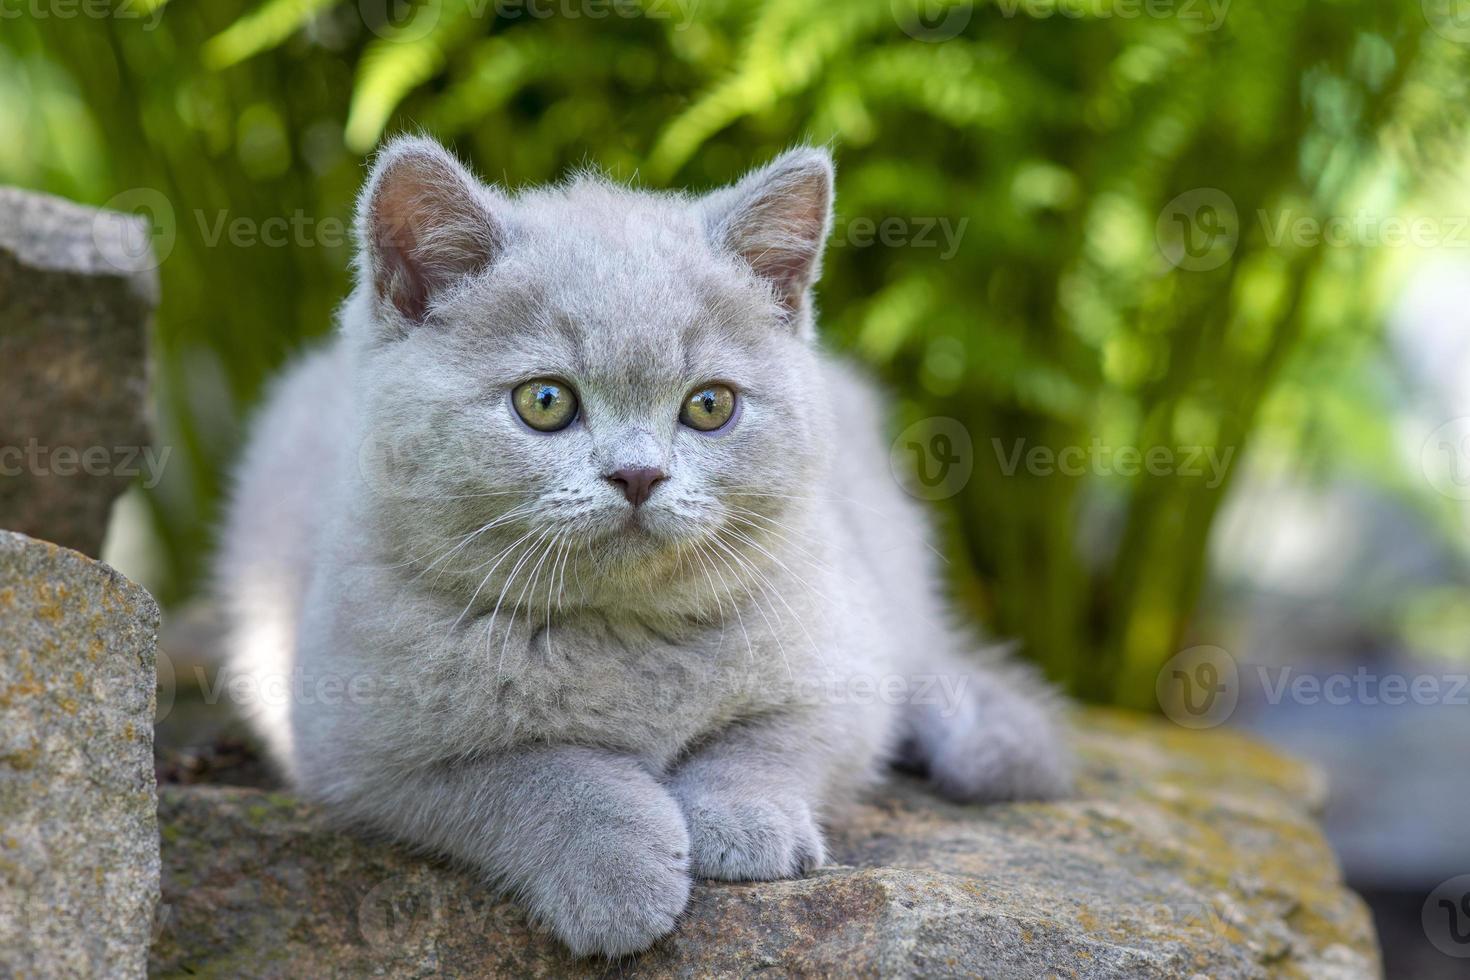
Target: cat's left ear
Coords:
[(425, 225), (777, 219)]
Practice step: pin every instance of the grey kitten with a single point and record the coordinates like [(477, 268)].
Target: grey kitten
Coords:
[(575, 559)]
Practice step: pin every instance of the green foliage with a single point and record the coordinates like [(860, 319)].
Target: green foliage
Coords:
[(1054, 143)]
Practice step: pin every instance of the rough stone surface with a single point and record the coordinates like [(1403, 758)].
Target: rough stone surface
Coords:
[(77, 288), (1185, 854), (79, 860)]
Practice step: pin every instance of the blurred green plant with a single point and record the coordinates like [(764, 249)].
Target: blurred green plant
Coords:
[(1098, 295)]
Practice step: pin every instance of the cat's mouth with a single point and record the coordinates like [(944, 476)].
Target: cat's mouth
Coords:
[(643, 530)]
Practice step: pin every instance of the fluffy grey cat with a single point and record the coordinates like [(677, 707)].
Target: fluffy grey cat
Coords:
[(575, 559)]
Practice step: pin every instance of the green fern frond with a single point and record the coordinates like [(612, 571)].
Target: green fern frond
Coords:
[(260, 30), (398, 62), (773, 67)]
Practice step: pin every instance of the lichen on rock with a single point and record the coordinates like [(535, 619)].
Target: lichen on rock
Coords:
[(79, 850)]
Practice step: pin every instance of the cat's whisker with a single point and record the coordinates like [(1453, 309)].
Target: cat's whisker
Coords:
[(890, 519), (770, 589), (783, 525), (794, 576), (562, 545), (529, 586), (740, 516), (504, 589), (719, 601), (498, 559), (756, 578), (500, 521), (735, 601)]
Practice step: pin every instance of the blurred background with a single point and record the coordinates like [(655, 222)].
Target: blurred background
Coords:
[(1173, 296)]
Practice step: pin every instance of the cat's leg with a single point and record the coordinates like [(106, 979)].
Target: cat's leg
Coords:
[(588, 840), (985, 732), (753, 795)]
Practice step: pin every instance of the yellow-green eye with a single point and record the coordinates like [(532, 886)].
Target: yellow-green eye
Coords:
[(545, 404), (708, 408)]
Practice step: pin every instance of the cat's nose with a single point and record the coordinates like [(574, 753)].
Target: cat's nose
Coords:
[(636, 482)]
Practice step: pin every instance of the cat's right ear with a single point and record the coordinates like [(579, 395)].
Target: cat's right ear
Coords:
[(424, 225)]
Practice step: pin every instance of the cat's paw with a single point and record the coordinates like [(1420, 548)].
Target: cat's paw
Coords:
[(1012, 749), (750, 837), (620, 888)]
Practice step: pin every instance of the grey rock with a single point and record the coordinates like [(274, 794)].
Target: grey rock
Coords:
[(79, 858), (77, 289), (1184, 854)]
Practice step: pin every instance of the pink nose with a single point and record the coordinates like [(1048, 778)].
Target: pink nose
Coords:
[(636, 482)]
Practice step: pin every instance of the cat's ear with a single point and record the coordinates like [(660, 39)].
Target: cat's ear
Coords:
[(425, 224), (777, 219)]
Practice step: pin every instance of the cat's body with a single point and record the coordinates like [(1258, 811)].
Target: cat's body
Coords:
[(482, 639)]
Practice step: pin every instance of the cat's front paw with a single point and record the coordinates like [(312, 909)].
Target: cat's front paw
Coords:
[(750, 837), (619, 888)]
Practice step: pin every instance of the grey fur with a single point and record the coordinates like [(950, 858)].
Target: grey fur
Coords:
[(448, 630)]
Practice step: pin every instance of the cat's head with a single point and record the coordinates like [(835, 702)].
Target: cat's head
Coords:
[(587, 377)]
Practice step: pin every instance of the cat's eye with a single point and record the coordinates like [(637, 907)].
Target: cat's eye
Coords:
[(708, 408), (545, 404)]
